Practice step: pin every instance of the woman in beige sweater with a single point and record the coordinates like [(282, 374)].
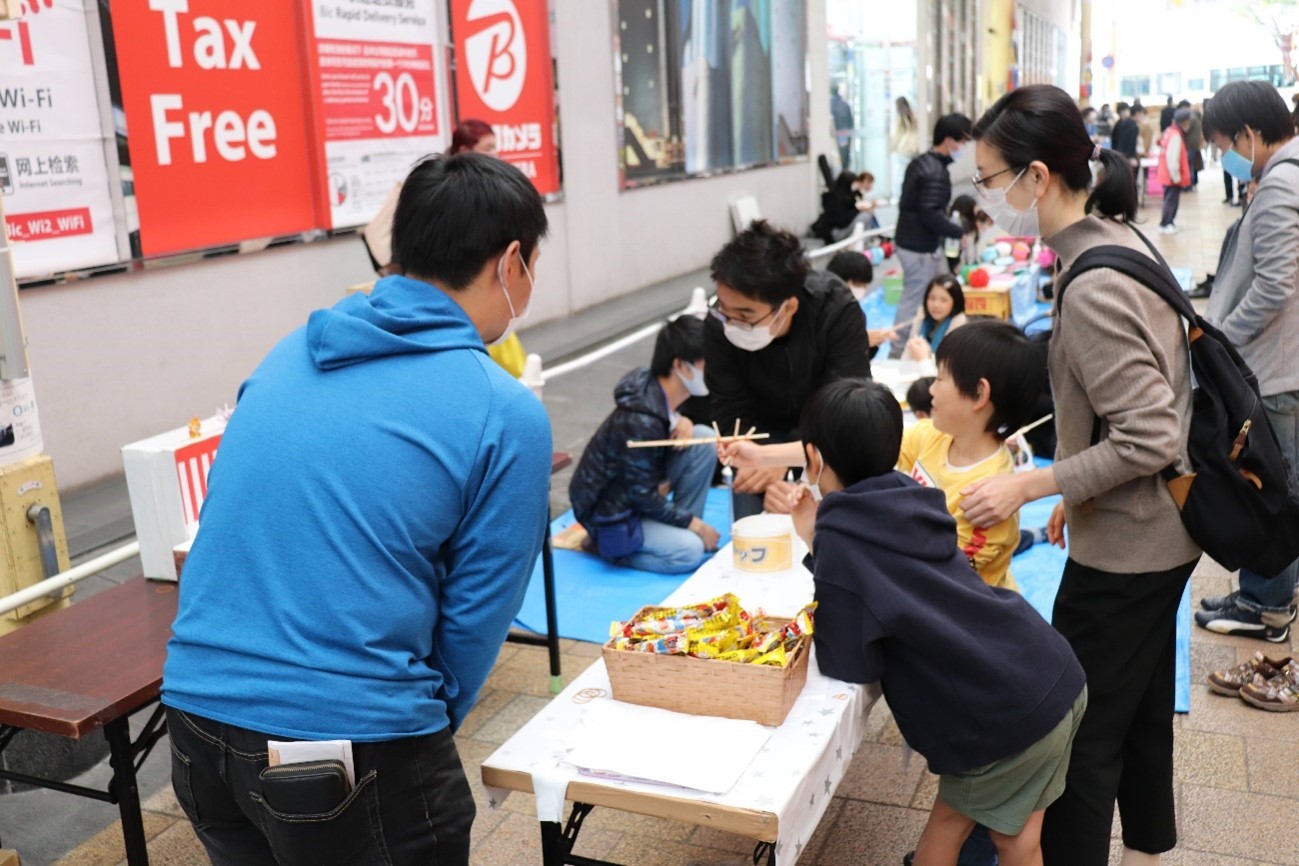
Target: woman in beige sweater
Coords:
[(1118, 356)]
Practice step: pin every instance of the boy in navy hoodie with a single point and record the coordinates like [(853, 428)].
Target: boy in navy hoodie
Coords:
[(977, 681)]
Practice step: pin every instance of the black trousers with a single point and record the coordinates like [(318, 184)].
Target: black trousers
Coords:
[(1122, 628), (411, 804), (1172, 198)]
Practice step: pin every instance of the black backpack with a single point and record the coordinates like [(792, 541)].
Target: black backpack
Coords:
[(1238, 502)]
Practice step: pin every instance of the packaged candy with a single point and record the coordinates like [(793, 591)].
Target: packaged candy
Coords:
[(741, 655), (776, 657)]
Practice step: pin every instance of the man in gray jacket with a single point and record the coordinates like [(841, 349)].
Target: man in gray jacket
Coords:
[(1255, 302)]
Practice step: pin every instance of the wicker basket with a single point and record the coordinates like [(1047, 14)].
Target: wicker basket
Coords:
[(708, 687)]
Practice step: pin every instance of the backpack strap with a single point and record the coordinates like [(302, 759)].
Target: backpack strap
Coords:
[(1154, 275)]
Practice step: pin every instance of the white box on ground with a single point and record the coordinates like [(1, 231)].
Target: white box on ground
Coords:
[(166, 476)]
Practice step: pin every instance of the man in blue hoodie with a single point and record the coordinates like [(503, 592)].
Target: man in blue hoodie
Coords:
[(372, 520)]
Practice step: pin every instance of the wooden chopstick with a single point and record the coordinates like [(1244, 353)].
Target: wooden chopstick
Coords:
[(703, 440)]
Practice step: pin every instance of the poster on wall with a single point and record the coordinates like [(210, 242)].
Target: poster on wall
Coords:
[(53, 174), (504, 77), (375, 98), (710, 85), (211, 95)]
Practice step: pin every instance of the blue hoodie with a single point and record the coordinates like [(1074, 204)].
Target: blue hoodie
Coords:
[(971, 672), (373, 515)]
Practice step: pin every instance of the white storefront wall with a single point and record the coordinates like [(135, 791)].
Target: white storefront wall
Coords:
[(122, 357)]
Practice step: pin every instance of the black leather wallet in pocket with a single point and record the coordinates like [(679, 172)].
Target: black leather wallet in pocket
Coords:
[(310, 788)]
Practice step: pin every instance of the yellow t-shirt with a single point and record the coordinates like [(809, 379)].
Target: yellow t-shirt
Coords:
[(924, 458)]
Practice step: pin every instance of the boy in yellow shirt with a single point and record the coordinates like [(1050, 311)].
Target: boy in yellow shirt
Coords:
[(988, 381)]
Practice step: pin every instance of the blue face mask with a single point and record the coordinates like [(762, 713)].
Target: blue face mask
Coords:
[(1237, 166)]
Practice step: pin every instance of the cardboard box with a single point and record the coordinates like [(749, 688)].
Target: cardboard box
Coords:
[(166, 476), (993, 301)]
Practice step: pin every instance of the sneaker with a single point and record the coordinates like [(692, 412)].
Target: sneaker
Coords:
[(1280, 694), (1219, 602), (1257, 670), (1242, 623)]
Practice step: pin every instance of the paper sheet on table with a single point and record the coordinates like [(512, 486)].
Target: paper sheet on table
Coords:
[(704, 753)]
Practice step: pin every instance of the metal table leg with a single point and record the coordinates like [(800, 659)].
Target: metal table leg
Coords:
[(123, 789), (552, 613)]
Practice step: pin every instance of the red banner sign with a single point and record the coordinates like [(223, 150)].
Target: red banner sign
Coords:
[(504, 78), (214, 98)]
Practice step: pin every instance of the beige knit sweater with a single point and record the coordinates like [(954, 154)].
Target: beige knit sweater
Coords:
[(1118, 352)]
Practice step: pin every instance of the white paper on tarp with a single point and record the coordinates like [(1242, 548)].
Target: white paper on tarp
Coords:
[(705, 753), (53, 174), (390, 57), (777, 593)]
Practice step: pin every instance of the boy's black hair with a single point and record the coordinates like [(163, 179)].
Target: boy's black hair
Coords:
[(851, 267), (954, 126), (964, 206), (999, 352), (918, 397), (856, 424), (682, 338), (1252, 103), (456, 213), (763, 263), (953, 287)]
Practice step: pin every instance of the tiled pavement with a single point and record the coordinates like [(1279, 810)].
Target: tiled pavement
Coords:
[(1237, 767)]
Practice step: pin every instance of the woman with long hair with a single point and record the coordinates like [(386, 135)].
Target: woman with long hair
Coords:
[(904, 142), (1120, 377)]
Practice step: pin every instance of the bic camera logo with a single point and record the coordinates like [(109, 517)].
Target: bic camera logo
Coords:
[(496, 52)]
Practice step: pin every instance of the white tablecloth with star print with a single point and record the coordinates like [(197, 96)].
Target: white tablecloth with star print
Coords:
[(782, 794)]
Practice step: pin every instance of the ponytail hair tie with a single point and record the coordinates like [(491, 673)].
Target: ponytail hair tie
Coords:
[(1096, 153)]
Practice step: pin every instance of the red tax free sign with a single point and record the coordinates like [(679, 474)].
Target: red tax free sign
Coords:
[(503, 77), (214, 102)]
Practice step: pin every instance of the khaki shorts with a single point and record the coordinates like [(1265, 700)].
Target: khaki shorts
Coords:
[(1002, 795)]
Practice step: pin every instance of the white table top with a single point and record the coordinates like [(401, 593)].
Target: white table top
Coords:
[(783, 793)]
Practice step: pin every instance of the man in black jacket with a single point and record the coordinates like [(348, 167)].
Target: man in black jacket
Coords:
[(1124, 136), (923, 220), (778, 332)]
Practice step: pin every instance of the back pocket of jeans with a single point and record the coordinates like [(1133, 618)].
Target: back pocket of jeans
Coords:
[(348, 835)]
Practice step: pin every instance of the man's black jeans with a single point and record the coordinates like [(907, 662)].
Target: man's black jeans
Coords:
[(411, 803)]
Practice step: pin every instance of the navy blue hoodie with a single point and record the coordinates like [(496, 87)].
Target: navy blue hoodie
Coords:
[(972, 673), (612, 478)]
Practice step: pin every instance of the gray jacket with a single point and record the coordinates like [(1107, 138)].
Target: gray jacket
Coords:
[(1255, 298)]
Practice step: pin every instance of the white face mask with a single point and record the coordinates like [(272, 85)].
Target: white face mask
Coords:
[(858, 292), (814, 487), (694, 382), (1013, 222), (753, 338), (515, 318)]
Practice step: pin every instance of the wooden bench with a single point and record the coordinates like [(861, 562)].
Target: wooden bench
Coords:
[(89, 667)]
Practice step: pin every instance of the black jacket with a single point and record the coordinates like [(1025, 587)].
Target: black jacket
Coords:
[(922, 209), (612, 478), (1124, 137), (972, 673), (767, 388), (838, 210)]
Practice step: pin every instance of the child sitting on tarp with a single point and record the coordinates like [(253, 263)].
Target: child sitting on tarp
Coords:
[(619, 493), (979, 684)]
